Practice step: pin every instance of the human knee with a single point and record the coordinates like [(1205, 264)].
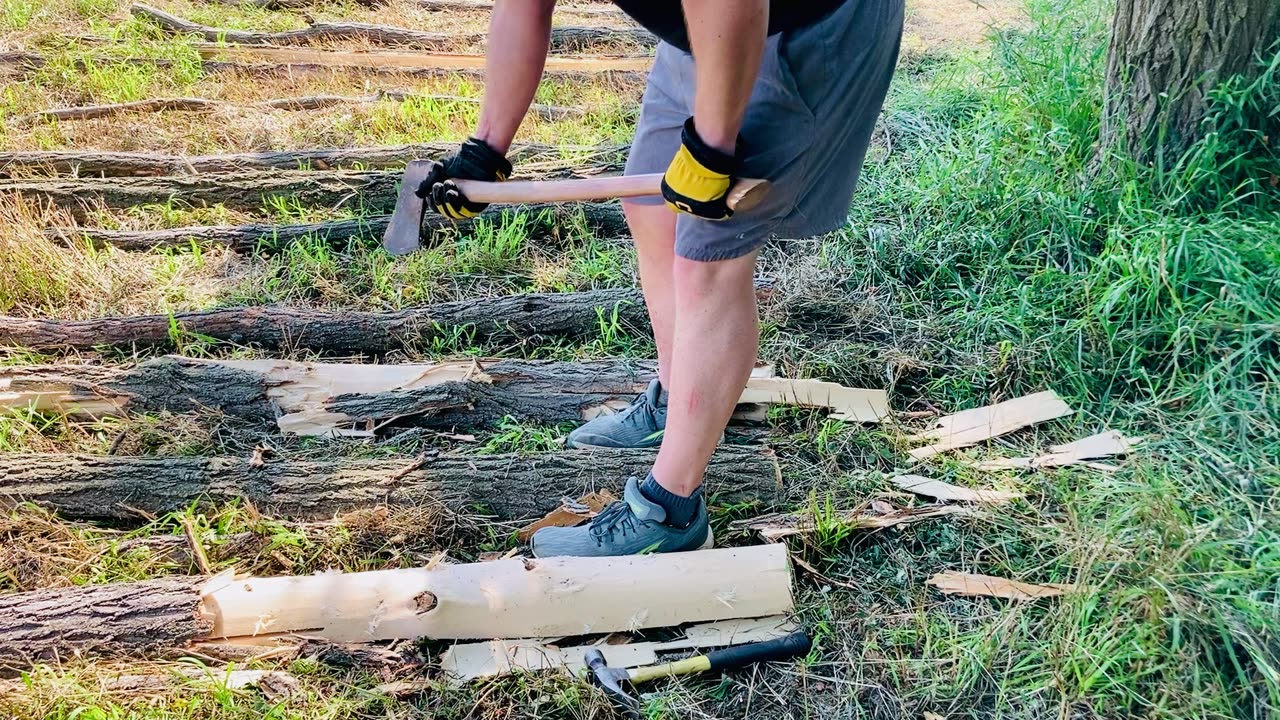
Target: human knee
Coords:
[(697, 278)]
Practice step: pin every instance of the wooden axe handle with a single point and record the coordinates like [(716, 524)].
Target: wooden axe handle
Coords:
[(745, 194)]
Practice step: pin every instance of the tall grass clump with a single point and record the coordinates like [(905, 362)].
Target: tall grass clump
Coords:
[(1150, 297)]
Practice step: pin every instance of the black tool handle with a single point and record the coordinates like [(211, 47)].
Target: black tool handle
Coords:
[(783, 648)]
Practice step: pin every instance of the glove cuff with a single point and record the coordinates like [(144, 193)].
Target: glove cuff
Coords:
[(708, 157), (477, 151)]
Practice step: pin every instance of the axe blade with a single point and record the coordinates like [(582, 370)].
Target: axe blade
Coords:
[(404, 231)]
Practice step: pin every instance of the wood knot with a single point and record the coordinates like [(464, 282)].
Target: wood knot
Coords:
[(529, 565), (425, 601)]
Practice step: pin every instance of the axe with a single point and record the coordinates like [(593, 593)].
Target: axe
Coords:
[(403, 234)]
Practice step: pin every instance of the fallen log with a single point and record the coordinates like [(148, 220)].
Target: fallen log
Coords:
[(510, 487), (120, 619), (534, 160), (563, 39), (375, 34), (306, 102), (371, 191), (323, 399), (512, 316), (445, 64), (515, 598), (487, 6), (603, 219)]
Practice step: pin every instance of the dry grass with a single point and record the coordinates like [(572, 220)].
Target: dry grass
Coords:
[(39, 277)]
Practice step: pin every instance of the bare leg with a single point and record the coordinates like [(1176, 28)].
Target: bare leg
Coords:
[(717, 336), (653, 228)]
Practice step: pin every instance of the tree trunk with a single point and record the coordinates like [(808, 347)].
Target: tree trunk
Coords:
[(511, 487), (604, 220), (376, 333), (534, 161), (124, 618), (1165, 57), (326, 399)]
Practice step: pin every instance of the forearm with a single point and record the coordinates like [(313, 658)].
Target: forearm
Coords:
[(727, 38), (519, 32)]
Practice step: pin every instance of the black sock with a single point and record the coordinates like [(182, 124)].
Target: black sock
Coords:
[(680, 510)]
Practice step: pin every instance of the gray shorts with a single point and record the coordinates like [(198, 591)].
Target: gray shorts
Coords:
[(806, 128)]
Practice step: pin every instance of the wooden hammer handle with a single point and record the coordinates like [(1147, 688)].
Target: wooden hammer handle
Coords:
[(745, 194)]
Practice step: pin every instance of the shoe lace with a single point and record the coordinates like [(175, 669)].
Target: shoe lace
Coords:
[(642, 405), (614, 518)]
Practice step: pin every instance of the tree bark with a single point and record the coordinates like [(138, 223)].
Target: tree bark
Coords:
[(376, 333), (510, 487), (604, 219), (124, 618), (1164, 58), (536, 161)]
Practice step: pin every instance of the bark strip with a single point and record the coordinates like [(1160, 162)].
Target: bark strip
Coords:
[(533, 315), (510, 487), (120, 619)]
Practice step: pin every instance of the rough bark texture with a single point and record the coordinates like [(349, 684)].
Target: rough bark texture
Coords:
[(534, 161), (373, 191), (1166, 55), (122, 618), (511, 487), (563, 39), (541, 391), (518, 316), (604, 219)]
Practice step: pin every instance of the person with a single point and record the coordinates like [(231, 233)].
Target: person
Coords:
[(786, 91)]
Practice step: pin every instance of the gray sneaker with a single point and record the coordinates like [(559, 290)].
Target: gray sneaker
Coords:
[(631, 526), (640, 425)]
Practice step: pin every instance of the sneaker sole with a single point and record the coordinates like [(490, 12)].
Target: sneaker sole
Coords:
[(709, 543)]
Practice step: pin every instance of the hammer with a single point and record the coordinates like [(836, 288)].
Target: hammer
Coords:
[(611, 680), (402, 234)]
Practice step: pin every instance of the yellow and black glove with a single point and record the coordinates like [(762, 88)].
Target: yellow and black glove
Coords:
[(475, 160), (699, 177)]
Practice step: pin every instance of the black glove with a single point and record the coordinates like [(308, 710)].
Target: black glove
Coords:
[(475, 160)]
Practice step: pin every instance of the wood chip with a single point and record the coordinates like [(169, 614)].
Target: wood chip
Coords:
[(955, 583), (946, 492), (570, 514), (197, 548), (1108, 443), (970, 427)]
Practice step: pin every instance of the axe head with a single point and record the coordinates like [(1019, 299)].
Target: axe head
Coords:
[(404, 231)]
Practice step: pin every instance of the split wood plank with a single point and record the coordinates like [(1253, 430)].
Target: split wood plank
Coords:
[(276, 327), (509, 487), (535, 160), (956, 583), (852, 404), (563, 38), (604, 219), (471, 661), (1108, 443), (327, 399), (970, 427), (306, 102), (516, 598), (782, 525), (946, 492)]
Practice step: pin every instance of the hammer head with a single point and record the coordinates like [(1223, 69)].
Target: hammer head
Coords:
[(611, 680)]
